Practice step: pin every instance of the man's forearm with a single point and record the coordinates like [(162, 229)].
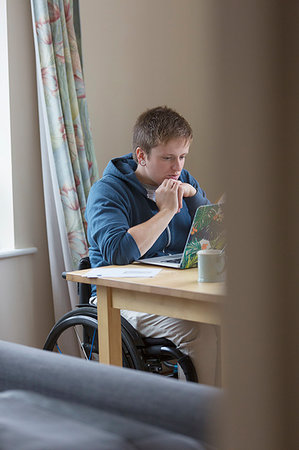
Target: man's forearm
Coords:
[(146, 233)]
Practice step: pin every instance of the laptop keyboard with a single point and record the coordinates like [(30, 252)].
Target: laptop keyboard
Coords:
[(175, 261)]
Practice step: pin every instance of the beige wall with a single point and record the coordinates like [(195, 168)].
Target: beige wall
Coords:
[(26, 312), (141, 54)]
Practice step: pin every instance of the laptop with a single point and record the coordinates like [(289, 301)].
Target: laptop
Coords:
[(207, 231)]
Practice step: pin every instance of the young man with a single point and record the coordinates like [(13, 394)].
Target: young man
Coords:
[(143, 207)]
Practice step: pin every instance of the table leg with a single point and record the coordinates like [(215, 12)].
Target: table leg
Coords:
[(109, 328), (223, 350)]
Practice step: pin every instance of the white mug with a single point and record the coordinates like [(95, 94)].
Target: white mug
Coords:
[(211, 265)]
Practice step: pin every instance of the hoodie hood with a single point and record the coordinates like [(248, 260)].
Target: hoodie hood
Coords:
[(124, 168)]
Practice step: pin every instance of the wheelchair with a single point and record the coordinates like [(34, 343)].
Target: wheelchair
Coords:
[(156, 355)]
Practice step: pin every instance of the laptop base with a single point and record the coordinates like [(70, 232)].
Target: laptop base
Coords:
[(173, 261)]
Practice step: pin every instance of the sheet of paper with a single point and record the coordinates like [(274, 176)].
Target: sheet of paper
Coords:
[(99, 272)]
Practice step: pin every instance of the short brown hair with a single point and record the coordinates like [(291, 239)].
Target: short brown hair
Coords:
[(158, 126)]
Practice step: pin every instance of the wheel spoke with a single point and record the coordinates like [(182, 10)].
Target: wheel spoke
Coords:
[(94, 333), (81, 344), (57, 346)]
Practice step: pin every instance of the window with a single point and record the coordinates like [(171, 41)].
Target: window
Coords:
[(6, 194)]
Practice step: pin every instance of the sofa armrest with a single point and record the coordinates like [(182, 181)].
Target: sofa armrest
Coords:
[(185, 408)]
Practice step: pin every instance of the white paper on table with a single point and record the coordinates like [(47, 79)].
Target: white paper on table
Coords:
[(99, 272)]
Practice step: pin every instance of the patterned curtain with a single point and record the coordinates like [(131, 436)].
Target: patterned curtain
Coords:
[(67, 113), (68, 160)]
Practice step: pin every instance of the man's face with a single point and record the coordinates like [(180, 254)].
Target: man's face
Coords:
[(165, 161)]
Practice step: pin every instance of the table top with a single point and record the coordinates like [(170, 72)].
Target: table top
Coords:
[(170, 282)]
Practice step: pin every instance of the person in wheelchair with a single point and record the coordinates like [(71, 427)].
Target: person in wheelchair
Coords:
[(143, 207)]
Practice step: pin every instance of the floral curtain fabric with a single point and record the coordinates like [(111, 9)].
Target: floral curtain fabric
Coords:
[(67, 114)]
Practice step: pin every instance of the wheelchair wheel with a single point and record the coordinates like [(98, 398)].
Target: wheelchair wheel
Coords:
[(81, 326)]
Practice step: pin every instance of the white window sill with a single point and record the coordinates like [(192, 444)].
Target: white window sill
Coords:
[(11, 253)]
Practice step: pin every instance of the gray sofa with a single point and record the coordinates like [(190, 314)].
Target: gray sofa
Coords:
[(49, 401)]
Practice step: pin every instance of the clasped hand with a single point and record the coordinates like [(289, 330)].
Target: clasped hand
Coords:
[(170, 193)]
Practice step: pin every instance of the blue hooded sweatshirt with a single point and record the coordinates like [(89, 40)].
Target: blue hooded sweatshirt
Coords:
[(118, 201)]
